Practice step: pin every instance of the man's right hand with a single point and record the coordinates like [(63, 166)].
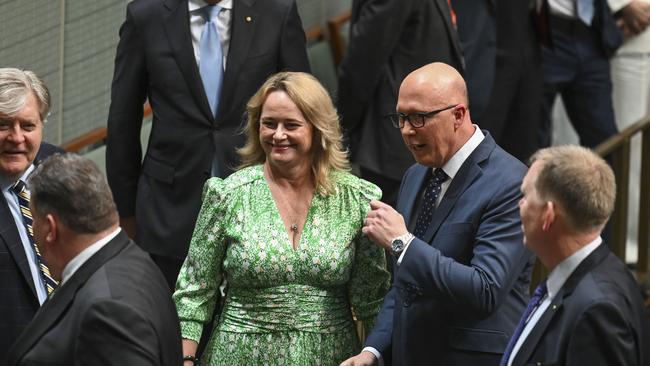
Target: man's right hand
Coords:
[(636, 17), (129, 226), (364, 358)]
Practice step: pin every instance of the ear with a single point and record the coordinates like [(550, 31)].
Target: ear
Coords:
[(53, 224), (548, 216), (459, 115)]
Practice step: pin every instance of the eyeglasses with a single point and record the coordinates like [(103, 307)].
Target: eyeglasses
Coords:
[(415, 119)]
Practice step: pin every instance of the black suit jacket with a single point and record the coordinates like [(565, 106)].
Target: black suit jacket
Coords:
[(388, 40), (18, 300), (503, 70), (155, 60), (597, 318), (115, 310)]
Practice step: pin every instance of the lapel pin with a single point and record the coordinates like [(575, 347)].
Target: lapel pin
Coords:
[(248, 19), (554, 307)]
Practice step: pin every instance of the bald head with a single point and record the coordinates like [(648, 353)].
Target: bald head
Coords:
[(435, 95), (439, 80)]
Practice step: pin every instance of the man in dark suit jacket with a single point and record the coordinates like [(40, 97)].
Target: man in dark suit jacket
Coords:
[(461, 279), (388, 40), (589, 310), (24, 105), (503, 70), (159, 197), (576, 46), (113, 306)]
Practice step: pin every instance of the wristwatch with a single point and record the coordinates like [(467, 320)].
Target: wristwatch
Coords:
[(400, 243)]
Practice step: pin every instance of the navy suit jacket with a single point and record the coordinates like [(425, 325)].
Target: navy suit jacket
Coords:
[(116, 309), (155, 61), (18, 300), (597, 318), (460, 290)]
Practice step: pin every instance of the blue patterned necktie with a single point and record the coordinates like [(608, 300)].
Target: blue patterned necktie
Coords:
[(23, 201), (428, 205), (585, 10), (533, 304), (211, 58)]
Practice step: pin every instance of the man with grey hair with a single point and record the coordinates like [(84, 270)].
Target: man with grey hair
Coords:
[(589, 310), (113, 306), (24, 278)]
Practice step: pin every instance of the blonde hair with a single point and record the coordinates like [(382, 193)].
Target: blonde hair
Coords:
[(580, 181), (316, 106), (15, 86)]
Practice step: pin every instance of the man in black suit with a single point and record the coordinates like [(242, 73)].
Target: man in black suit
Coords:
[(589, 311), (24, 106), (503, 70), (113, 306), (388, 40), (194, 135)]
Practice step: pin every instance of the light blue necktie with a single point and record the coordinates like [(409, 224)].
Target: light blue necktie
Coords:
[(585, 10), (211, 56)]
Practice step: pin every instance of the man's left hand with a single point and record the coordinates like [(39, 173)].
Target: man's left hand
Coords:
[(383, 224)]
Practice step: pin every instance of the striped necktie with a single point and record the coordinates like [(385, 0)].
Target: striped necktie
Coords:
[(23, 201)]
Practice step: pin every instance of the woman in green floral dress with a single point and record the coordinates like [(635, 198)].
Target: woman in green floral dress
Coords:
[(285, 232)]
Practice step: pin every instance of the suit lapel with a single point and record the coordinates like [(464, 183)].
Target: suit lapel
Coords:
[(443, 7), (10, 236), (411, 193), (55, 307), (563, 295), (177, 29), (467, 174), (243, 24)]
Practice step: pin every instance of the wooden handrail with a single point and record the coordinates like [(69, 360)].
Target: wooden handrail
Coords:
[(334, 25), (95, 136), (617, 148)]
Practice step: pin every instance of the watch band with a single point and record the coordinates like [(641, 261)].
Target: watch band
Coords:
[(195, 361), (406, 238)]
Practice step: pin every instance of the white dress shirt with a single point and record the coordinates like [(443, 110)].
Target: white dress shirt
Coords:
[(554, 283), (14, 207), (197, 23)]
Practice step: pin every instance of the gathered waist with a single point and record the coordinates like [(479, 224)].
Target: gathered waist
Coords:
[(286, 308)]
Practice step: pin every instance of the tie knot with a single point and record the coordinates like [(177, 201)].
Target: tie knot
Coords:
[(18, 187), (211, 12), (439, 175), (540, 291)]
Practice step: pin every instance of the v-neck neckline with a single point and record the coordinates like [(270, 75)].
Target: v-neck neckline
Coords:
[(280, 220)]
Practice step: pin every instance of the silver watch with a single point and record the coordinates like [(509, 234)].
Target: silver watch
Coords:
[(398, 244)]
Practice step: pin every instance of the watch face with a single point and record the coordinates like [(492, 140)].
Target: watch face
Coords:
[(397, 246)]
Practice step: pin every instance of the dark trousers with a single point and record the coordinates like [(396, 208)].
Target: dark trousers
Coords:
[(169, 266), (577, 68)]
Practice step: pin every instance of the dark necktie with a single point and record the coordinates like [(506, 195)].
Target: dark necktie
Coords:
[(428, 205), (533, 304), (23, 201)]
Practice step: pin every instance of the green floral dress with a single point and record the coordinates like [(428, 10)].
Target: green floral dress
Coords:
[(282, 306)]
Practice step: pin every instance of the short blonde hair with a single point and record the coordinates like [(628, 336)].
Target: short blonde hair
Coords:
[(581, 181), (15, 86), (316, 106)]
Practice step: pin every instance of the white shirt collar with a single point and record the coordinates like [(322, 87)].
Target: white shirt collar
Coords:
[(194, 5), (562, 271), (84, 255), (6, 183), (453, 165)]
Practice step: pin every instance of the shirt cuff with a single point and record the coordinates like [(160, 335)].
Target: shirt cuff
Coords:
[(380, 361), (406, 246)]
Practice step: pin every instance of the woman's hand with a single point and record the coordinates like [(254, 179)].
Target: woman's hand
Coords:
[(189, 349)]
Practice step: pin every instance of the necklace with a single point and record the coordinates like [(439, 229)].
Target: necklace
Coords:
[(294, 227)]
